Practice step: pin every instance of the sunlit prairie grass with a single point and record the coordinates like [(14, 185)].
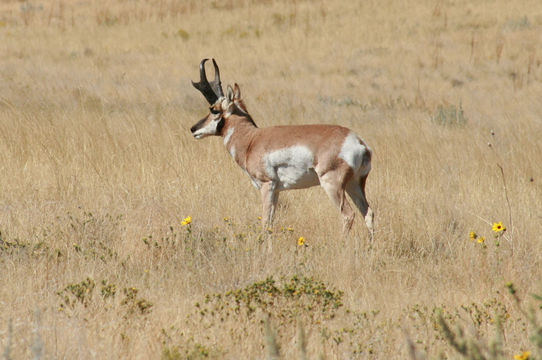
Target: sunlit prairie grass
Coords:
[(101, 179)]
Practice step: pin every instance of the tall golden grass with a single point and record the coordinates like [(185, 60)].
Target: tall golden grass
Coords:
[(98, 170)]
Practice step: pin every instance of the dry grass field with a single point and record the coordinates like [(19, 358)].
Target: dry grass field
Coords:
[(98, 169)]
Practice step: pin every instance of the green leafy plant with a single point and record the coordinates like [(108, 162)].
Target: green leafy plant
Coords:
[(450, 115)]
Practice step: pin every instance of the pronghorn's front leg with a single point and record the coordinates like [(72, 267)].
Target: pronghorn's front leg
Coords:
[(269, 200)]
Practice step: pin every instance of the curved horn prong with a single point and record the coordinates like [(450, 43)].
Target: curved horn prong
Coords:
[(202, 74), (203, 85), (216, 84)]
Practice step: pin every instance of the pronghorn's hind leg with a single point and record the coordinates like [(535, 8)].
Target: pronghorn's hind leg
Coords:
[(356, 190), (334, 187)]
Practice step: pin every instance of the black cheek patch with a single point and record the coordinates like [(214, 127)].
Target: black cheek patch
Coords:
[(220, 126)]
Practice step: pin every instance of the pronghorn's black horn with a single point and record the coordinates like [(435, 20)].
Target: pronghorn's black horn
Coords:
[(216, 84), (213, 90)]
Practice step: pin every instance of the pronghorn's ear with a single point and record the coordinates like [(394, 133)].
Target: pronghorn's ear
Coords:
[(230, 93), (236, 92)]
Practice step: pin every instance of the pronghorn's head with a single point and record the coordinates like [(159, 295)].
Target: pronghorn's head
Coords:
[(221, 107)]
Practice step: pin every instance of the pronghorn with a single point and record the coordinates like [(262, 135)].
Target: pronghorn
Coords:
[(287, 157)]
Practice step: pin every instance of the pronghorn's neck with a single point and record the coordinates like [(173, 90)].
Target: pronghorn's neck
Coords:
[(237, 133)]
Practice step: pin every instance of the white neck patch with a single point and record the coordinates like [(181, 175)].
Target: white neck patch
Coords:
[(228, 136)]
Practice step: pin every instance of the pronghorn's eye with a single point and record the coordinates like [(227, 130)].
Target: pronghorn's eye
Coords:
[(214, 112)]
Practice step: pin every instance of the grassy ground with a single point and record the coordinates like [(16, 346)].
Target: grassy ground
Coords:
[(98, 170)]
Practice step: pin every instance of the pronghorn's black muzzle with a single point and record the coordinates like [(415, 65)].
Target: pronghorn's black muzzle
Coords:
[(198, 125)]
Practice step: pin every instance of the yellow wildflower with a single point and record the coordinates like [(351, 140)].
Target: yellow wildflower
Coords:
[(290, 228), (301, 241), (186, 221), (525, 355), (473, 235), (481, 240), (499, 227)]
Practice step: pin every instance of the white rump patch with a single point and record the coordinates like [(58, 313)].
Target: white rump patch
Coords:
[(232, 152), (291, 168), (353, 151)]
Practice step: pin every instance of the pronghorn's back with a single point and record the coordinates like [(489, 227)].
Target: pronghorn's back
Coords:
[(308, 151)]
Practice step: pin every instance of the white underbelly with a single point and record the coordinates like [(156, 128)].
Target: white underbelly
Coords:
[(296, 178), (291, 168)]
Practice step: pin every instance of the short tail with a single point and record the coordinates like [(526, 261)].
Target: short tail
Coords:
[(366, 161)]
